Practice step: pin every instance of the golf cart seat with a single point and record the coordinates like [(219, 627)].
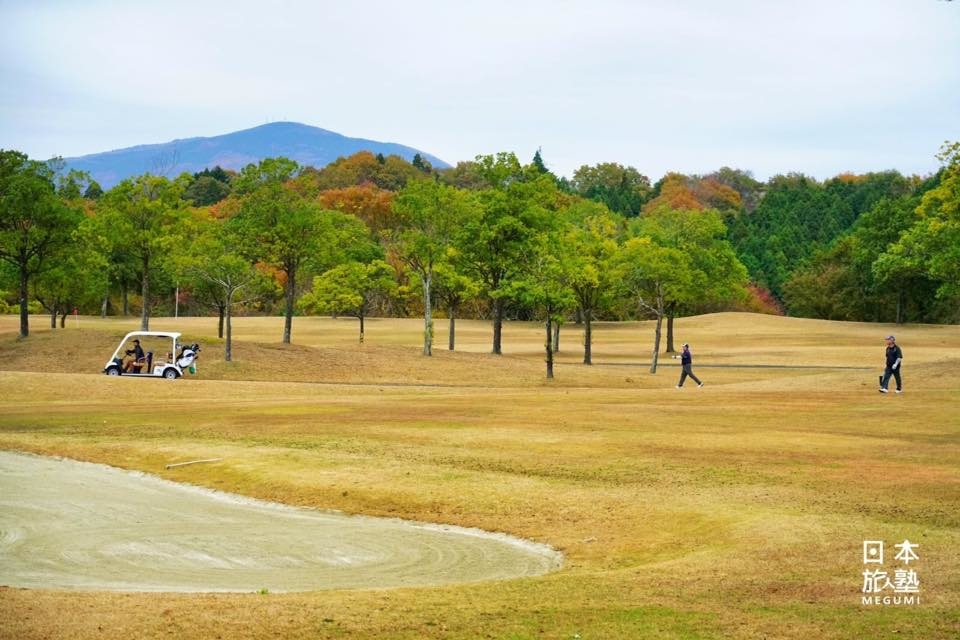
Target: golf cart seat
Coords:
[(145, 360)]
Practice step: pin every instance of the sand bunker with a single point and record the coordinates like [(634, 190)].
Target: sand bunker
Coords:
[(74, 525)]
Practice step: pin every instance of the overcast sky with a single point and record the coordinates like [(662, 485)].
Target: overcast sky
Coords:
[(769, 86)]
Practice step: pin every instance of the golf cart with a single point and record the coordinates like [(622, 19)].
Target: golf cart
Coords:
[(148, 360)]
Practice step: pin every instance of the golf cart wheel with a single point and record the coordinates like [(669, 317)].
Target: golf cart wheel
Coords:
[(170, 374), (113, 371)]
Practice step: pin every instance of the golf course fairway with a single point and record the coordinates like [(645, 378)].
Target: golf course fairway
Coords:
[(737, 510)]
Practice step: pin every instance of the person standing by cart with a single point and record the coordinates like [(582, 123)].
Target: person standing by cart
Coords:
[(894, 360)]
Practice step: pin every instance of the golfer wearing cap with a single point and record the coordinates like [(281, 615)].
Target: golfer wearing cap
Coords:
[(137, 357), (686, 361), (894, 358)]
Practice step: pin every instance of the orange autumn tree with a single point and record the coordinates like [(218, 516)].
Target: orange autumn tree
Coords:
[(716, 195), (694, 193), (676, 194), (368, 202)]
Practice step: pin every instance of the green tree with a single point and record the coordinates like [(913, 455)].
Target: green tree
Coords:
[(717, 277), (218, 173), (150, 218), (72, 281), (206, 190), (828, 288), (75, 275), (70, 185), (466, 175), (938, 229), (841, 282), (931, 246), (795, 218), (35, 223), (799, 217), (452, 290), (295, 236), (545, 286), (419, 163), (93, 191), (350, 289), (623, 189), (430, 214), (651, 275), (493, 247), (591, 239), (871, 236), (218, 272), (101, 236), (291, 232), (269, 172)]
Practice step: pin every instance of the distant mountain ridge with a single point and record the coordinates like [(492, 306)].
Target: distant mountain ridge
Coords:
[(309, 146)]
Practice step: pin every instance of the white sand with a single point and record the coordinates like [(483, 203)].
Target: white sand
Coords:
[(74, 525)]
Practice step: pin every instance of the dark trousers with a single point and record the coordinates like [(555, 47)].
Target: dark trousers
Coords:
[(688, 371), (886, 377)]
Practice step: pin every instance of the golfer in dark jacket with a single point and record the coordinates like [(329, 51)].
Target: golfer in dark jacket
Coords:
[(894, 359), (686, 360), (137, 357)]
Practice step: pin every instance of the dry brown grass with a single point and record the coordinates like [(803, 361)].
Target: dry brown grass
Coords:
[(736, 510)]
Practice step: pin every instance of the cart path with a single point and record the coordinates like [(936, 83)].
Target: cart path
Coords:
[(75, 525)]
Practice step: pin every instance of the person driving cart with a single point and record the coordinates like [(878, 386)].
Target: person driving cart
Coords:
[(137, 358)]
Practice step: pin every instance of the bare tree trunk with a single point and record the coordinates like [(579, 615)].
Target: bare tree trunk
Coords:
[(427, 316), (361, 316), (221, 313), (556, 338), (63, 319), (145, 293), (226, 318), (670, 316), (497, 325), (24, 297), (53, 317), (656, 344), (657, 333), (452, 312), (289, 294), (104, 304), (587, 337), (549, 346)]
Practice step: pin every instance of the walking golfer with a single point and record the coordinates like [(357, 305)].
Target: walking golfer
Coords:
[(686, 361), (894, 359)]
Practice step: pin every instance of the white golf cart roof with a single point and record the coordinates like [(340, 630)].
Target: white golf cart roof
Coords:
[(159, 334)]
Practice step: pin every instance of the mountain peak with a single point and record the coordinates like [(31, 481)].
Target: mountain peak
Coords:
[(307, 145)]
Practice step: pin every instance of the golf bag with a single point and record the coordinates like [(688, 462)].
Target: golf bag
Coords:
[(187, 355)]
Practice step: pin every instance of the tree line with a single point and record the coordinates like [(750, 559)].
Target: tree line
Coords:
[(490, 238)]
